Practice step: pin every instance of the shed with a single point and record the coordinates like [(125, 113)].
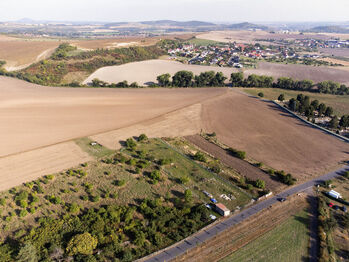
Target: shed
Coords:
[(222, 209)]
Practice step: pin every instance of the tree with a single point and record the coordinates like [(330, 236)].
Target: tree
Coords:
[(285, 83), (27, 253), (281, 97), (200, 157), (183, 79), (155, 176), (329, 111), (344, 122), (334, 122), (98, 83), (130, 143), (260, 184), (260, 94), (237, 79), (188, 195), (82, 244), (321, 109), (164, 80), (142, 137)]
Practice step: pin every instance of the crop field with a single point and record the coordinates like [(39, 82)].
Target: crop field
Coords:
[(147, 71), (244, 36), (34, 116), (19, 53), (270, 135), (301, 72), (287, 242), (340, 104)]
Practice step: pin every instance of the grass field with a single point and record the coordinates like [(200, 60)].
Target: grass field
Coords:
[(203, 42), (340, 104), (287, 242)]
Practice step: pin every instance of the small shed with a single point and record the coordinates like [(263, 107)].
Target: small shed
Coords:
[(334, 194), (222, 209)]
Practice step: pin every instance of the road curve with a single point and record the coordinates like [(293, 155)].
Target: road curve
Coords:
[(191, 242)]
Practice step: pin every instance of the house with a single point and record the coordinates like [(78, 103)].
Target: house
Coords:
[(222, 209)]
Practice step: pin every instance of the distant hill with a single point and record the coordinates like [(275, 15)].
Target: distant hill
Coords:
[(328, 29), (177, 23), (246, 26)]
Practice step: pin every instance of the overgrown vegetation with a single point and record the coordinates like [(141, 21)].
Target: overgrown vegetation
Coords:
[(52, 71)]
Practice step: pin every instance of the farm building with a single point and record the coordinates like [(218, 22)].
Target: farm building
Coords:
[(222, 210)]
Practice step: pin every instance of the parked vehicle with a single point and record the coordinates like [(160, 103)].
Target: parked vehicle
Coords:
[(213, 217), (334, 194), (214, 201), (330, 204), (282, 199), (344, 209)]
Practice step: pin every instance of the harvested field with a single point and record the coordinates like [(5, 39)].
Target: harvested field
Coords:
[(300, 72), (341, 52), (147, 71), (244, 36), (28, 166), (238, 236), (186, 121), (270, 135), (34, 116), (241, 166), (19, 53)]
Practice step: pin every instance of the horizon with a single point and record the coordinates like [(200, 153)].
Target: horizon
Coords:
[(218, 11)]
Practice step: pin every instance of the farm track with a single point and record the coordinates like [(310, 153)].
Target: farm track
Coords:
[(241, 166)]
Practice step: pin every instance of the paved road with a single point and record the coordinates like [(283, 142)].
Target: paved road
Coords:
[(202, 236)]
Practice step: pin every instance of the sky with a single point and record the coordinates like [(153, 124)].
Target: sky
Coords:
[(181, 10)]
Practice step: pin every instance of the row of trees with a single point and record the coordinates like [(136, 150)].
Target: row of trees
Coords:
[(326, 87), (304, 106), (187, 79)]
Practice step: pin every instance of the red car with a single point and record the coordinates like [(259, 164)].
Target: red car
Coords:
[(330, 204)]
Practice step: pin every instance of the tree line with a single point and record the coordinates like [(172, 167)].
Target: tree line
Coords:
[(188, 79), (325, 87), (303, 105)]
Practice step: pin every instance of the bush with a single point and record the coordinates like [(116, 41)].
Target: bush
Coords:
[(184, 179), (164, 162), (260, 94), (200, 157), (131, 144), (281, 97), (120, 183), (260, 184), (23, 213), (237, 153), (155, 176), (142, 137), (82, 244)]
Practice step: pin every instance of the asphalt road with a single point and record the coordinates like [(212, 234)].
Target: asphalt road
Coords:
[(180, 248)]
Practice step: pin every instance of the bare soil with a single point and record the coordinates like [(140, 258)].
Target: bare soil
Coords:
[(272, 136), (34, 116), (242, 167)]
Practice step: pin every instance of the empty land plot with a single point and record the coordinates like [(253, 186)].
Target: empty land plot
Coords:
[(146, 71), (340, 104), (287, 242), (242, 167), (34, 116), (270, 135), (19, 53)]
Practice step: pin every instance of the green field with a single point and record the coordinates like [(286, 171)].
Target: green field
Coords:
[(203, 42), (340, 104), (287, 242)]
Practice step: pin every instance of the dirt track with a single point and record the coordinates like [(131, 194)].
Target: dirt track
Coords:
[(272, 136), (239, 165)]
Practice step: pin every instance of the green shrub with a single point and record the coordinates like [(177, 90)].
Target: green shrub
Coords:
[(200, 157), (23, 213), (2, 201), (237, 153), (260, 184), (142, 138), (82, 244)]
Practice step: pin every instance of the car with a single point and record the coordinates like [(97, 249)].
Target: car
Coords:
[(213, 217), (335, 207), (344, 209), (213, 200), (282, 199), (330, 204), (208, 206)]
